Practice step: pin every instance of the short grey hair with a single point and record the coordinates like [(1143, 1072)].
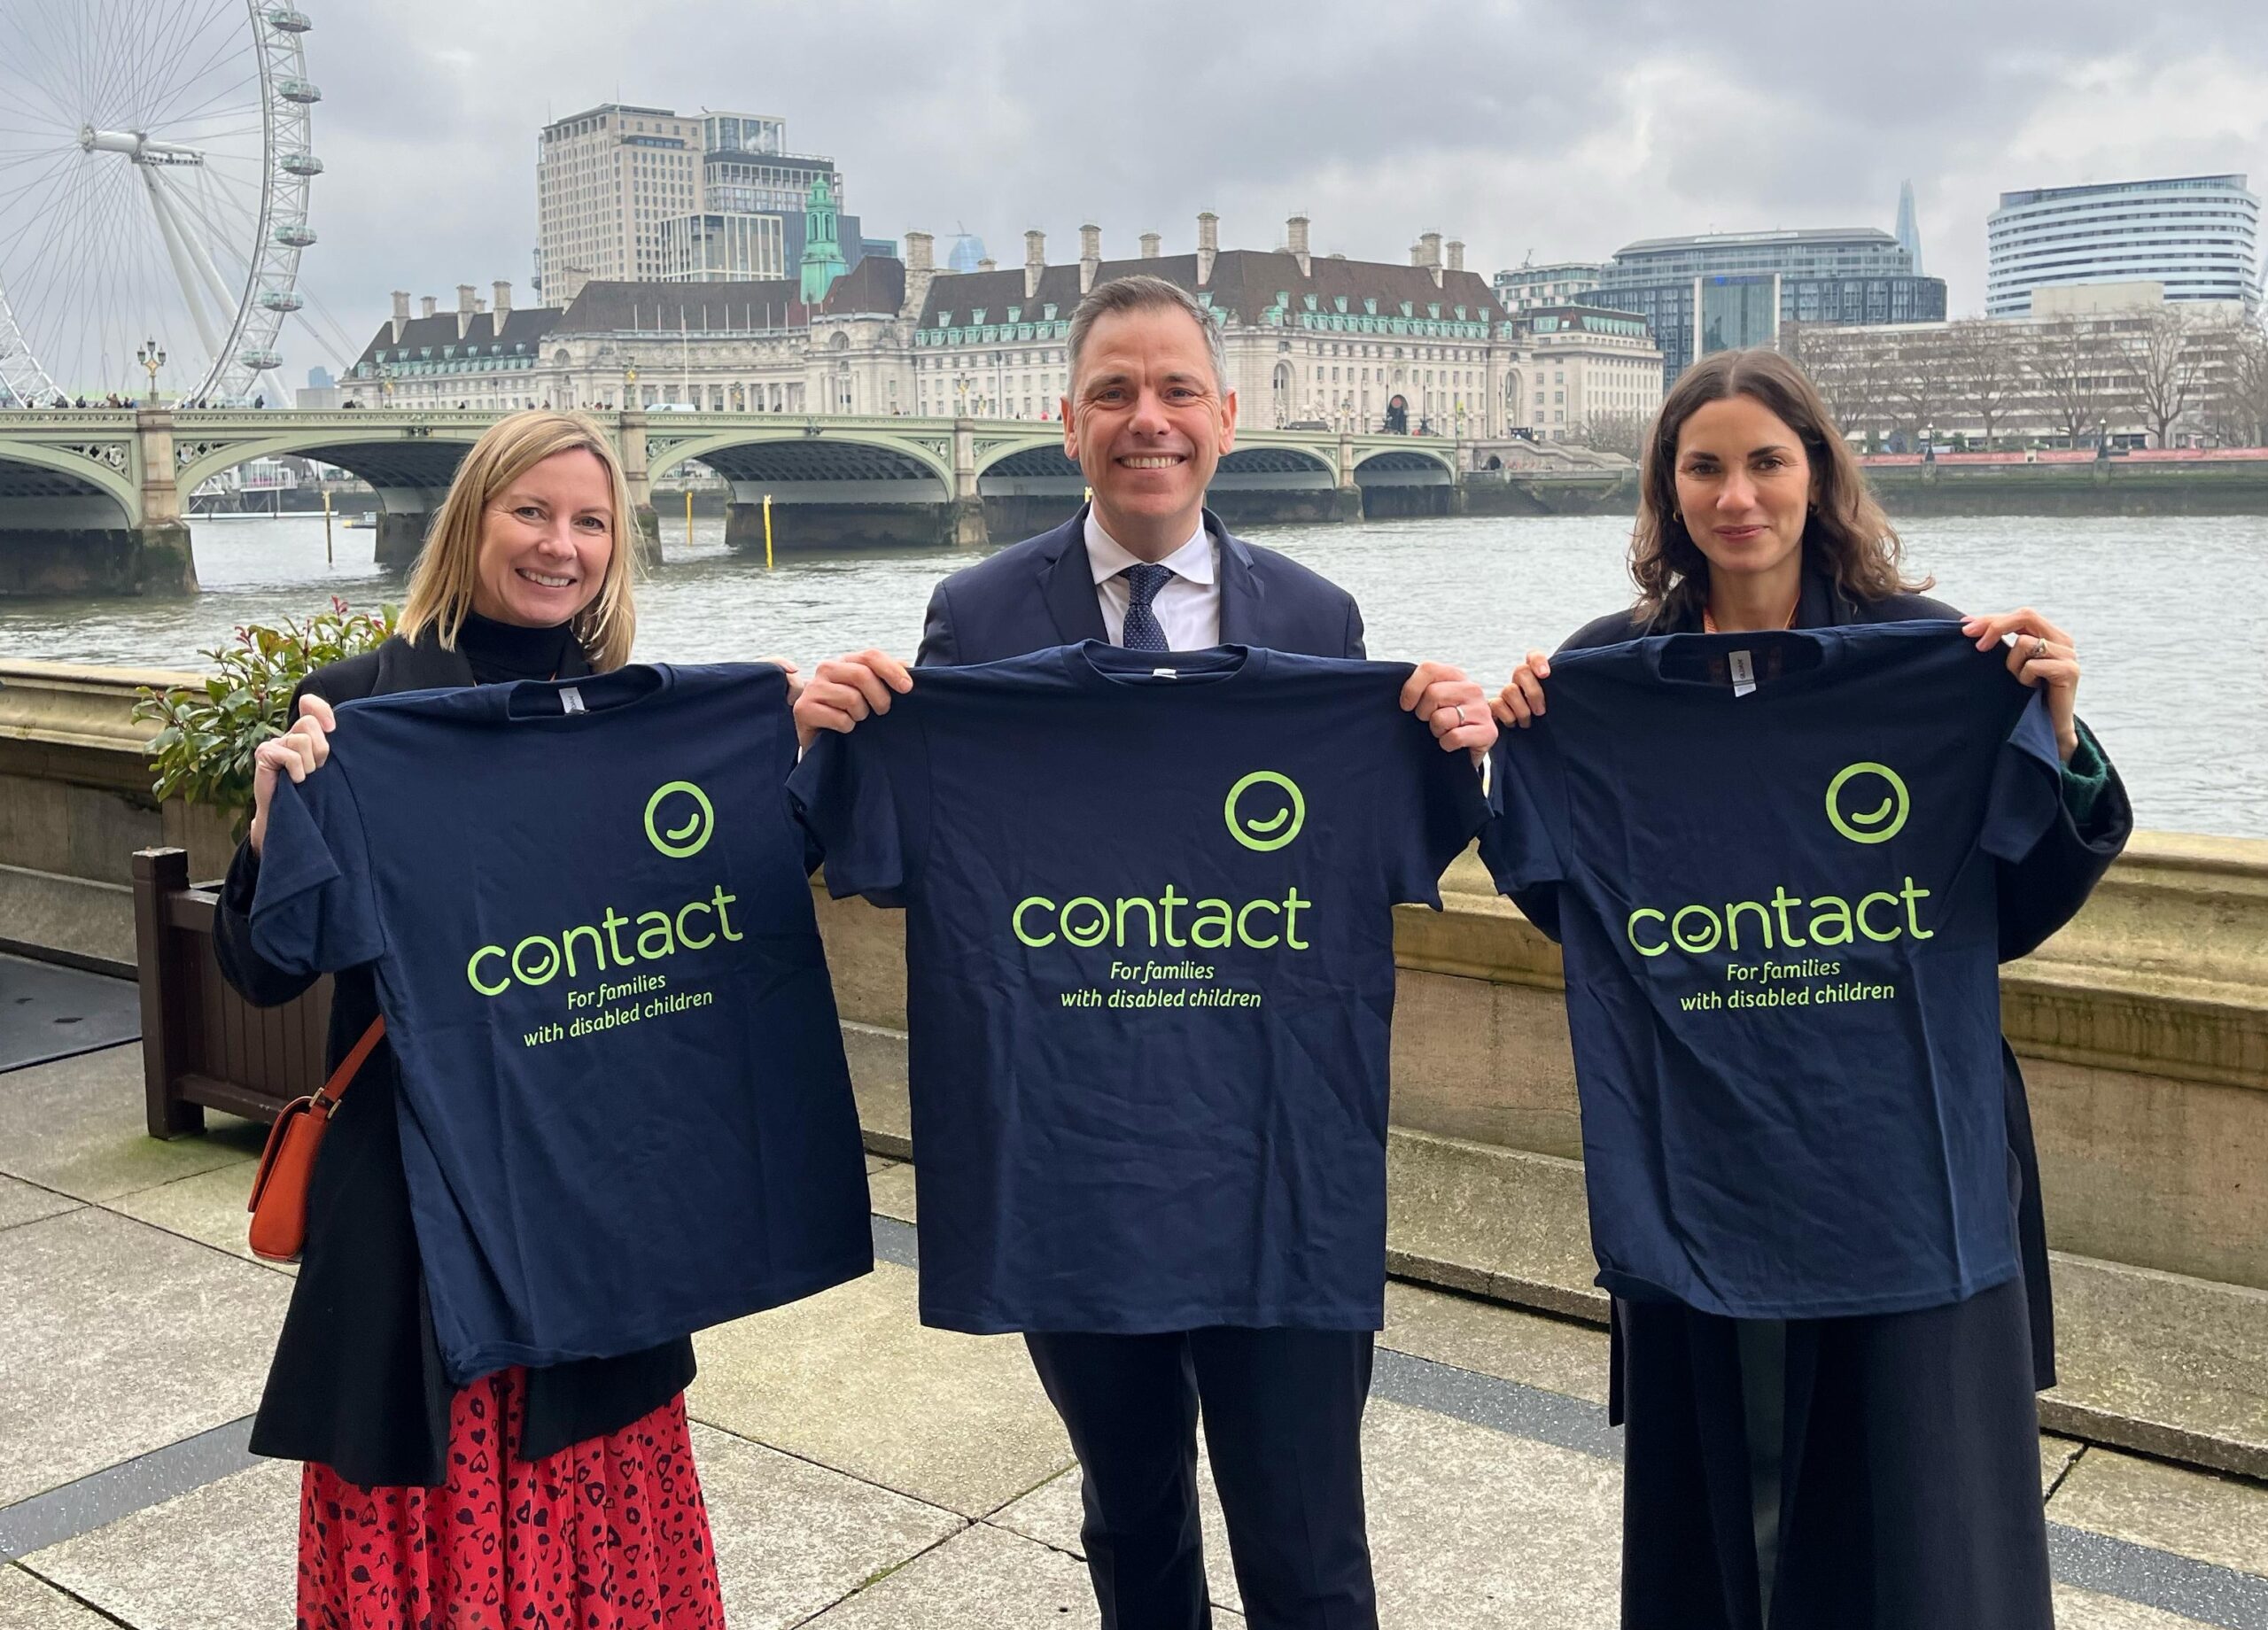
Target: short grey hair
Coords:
[(1143, 293)]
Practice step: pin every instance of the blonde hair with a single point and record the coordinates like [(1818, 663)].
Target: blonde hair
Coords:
[(441, 584)]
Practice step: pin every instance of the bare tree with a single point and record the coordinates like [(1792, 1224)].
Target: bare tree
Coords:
[(2245, 413), (2166, 363), (1612, 432), (1988, 368), (1920, 393), (2072, 367)]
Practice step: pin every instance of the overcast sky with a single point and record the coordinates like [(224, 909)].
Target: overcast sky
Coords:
[(1518, 128)]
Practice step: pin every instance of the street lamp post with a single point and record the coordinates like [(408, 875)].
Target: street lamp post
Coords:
[(629, 386), (151, 355)]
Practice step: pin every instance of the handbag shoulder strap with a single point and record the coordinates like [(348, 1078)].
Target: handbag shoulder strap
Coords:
[(343, 1077)]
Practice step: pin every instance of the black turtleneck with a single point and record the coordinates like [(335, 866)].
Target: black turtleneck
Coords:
[(503, 651)]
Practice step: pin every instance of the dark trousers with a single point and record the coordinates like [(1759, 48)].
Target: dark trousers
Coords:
[(1904, 1490), (1283, 1414)]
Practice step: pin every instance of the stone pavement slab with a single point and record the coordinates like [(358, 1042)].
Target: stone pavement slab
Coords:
[(224, 1556), (2056, 1456), (28, 1603), (120, 1340), (1469, 1527), (983, 1578), (1558, 1355), (2195, 1514), (208, 1207), (77, 1126), (850, 1380), (21, 1202), (793, 1538), (891, 1194), (2083, 1610)]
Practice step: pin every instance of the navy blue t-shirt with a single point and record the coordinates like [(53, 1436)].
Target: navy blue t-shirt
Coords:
[(625, 1109), (1780, 930), (1150, 969)]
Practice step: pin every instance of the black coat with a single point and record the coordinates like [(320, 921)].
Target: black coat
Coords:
[(2037, 896), (357, 1383)]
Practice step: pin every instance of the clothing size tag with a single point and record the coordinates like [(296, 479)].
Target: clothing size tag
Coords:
[(1743, 674), (570, 701)]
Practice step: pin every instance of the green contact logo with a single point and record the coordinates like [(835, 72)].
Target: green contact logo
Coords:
[(1875, 824), (692, 835), (1270, 819)]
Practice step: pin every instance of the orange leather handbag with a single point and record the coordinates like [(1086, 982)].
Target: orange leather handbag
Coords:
[(279, 1189)]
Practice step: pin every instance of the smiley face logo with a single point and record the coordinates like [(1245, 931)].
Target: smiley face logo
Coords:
[(689, 837), (1269, 819), (1877, 823)]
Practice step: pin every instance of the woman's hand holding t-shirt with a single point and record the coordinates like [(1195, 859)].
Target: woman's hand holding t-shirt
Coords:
[(297, 752)]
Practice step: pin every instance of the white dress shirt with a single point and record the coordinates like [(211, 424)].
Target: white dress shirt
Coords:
[(1188, 608)]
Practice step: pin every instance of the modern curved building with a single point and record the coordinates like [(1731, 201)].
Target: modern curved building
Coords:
[(2199, 236)]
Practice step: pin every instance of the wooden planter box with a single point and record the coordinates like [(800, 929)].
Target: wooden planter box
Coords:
[(203, 1045)]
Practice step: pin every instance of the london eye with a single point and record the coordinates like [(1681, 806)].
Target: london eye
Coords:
[(155, 164)]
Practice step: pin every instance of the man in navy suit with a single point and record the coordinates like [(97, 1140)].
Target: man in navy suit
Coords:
[(1147, 567)]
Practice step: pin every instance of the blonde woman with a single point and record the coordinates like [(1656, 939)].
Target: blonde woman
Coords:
[(562, 1495)]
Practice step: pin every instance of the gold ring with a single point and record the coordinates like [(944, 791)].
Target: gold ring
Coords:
[(2038, 647)]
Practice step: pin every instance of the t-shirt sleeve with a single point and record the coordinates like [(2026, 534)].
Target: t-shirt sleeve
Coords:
[(1448, 809), (843, 794), (1521, 844), (2027, 786), (315, 907)]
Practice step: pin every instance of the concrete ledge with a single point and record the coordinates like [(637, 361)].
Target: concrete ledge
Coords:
[(44, 912)]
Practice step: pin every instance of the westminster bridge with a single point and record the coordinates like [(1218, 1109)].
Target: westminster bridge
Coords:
[(96, 501)]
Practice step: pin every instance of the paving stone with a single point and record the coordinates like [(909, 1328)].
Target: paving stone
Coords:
[(2055, 1458), (208, 1207), (77, 1126), (120, 1339), (1535, 1538), (850, 1380), (1555, 1354), (793, 1538), (2083, 1610), (20, 1202), (983, 1578), (891, 1194), (28, 1603), (878, 1163), (2196, 1514), (1492, 1221), (224, 1556)]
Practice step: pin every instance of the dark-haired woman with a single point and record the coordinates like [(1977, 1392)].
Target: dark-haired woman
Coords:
[(1877, 1470)]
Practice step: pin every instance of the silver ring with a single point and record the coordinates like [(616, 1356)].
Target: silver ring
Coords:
[(2038, 646), (1459, 706)]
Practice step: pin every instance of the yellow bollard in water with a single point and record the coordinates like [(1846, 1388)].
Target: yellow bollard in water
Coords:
[(688, 517), (326, 526), (767, 531)]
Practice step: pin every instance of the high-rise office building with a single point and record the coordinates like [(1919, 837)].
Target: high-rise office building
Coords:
[(1717, 291), (1908, 231), (627, 193), (2196, 235), (1530, 287)]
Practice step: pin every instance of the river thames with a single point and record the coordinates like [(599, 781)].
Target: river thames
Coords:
[(2169, 614)]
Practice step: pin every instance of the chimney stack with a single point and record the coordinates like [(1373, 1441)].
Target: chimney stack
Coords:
[(1429, 244), (503, 304), (466, 308), (1456, 254), (1035, 261), (1150, 245), (427, 305), (1296, 239), (401, 313), (920, 272), (1417, 254), (1089, 255), (1208, 245), (988, 264)]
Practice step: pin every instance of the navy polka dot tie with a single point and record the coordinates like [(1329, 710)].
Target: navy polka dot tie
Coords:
[(1143, 632)]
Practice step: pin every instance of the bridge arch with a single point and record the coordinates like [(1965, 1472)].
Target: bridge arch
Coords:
[(1413, 465), (390, 463), (42, 484), (797, 466)]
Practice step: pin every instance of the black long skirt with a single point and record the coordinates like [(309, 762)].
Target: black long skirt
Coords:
[(1908, 1471)]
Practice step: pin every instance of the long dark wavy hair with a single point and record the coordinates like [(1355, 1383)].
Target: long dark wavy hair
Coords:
[(1846, 536)]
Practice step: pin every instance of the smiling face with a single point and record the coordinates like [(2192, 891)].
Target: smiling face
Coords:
[(1743, 487), (1148, 423), (545, 542)]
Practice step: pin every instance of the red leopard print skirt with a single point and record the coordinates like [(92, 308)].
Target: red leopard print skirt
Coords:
[(603, 1535)]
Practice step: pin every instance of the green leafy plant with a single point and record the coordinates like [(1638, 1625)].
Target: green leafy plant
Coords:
[(203, 749)]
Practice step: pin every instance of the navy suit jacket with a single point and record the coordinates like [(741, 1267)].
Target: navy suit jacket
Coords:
[(1041, 593)]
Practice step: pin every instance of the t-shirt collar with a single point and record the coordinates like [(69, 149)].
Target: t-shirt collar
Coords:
[(1107, 557)]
